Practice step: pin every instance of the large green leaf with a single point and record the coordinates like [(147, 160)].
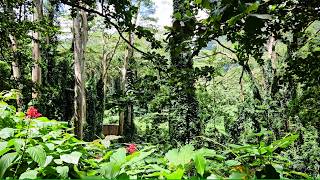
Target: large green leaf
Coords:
[(200, 163), (38, 154), (31, 174), (72, 158), (3, 145), (48, 161), (6, 133), (5, 162), (62, 171), (17, 143), (140, 156), (181, 157), (176, 174), (119, 156), (283, 143), (110, 170)]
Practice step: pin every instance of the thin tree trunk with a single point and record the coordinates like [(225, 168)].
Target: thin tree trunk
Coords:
[(50, 41), (126, 116), (16, 71), (36, 69), (80, 29)]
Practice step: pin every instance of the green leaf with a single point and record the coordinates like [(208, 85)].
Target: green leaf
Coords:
[(177, 15), (3, 145), (283, 143), (3, 151), (252, 7), (176, 174), (232, 21), (300, 174), (58, 161), (38, 154), (81, 174), (31, 174), (206, 152), (6, 133), (181, 157), (198, 1), (72, 158), (188, 13), (200, 163), (48, 161), (5, 162), (17, 143), (119, 156), (109, 170), (232, 163), (213, 176), (141, 156), (50, 146), (62, 171), (237, 175)]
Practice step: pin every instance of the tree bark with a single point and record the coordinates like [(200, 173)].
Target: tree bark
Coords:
[(16, 71), (80, 30), (36, 69)]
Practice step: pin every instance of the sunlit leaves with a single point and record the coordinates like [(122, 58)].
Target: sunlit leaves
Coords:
[(38, 154), (5, 162), (200, 163), (72, 158), (62, 171), (31, 174)]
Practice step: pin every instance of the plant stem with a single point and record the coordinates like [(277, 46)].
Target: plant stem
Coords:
[(23, 150)]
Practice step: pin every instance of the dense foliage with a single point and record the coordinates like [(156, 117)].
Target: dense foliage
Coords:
[(36, 147)]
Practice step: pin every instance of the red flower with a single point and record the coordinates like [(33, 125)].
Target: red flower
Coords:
[(32, 112), (131, 148)]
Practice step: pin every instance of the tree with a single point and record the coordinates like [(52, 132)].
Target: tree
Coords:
[(184, 125), (126, 123), (36, 54), (80, 30)]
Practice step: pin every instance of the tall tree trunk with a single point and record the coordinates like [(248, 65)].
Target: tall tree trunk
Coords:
[(105, 66), (126, 116), (186, 124), (80, 30), (16, 71), (36, 69), (51, 42)]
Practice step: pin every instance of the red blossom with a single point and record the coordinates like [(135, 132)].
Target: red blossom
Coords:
[(131, 148), (32, 112)]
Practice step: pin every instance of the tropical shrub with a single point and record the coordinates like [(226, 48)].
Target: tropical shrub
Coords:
[(35, 147)]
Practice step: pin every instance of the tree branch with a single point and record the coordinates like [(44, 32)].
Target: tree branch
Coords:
[(233, 51), (108, 20)]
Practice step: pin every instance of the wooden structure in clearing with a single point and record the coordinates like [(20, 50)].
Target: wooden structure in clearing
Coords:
[(111, 129)]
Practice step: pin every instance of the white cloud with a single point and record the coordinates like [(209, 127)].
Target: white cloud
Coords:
[(163, 12)]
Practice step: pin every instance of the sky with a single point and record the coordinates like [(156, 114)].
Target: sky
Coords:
[(163, 12)]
